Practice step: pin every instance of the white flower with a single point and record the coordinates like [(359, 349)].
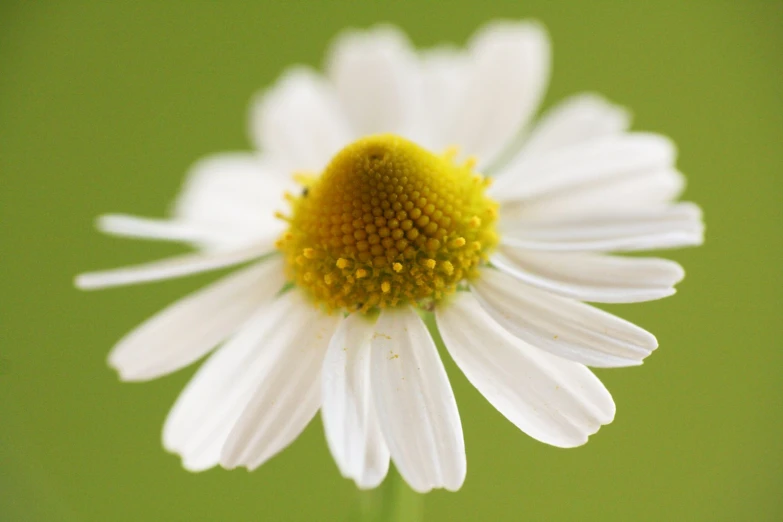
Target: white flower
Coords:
[(569, 191)]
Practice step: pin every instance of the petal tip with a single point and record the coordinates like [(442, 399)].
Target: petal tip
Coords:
[(126, 372), (197, 467), (84, 282), (229, 464)]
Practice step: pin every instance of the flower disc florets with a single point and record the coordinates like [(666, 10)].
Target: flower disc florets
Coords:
[(388, 223)]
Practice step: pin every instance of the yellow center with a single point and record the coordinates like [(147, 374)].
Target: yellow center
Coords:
[(388, 223)]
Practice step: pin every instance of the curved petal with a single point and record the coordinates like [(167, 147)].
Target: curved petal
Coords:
[(348, 412), (186, 330), (506, 77), (555, 401), (169, 268), (670, 227), (563, 327), (592, 277), (416, 407), (209, 407), (644, 190), (588, 162), (377, 82), (299, 122), (235, 196), (578, 119), (288, 394)]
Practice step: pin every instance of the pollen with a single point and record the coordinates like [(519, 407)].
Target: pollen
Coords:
[(387, 224)]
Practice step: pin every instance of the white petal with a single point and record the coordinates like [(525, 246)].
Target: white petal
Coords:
[(348, 412), (595, 160), (375, 74), (644, 190), (592, 277), (235, 196), (415, 404), (444, 78), (289, 393), (553, 400), (299, 122), (169, 268), (564, 327), (150, 228), (578, 119), (208, 409), (670, 227), (186, 330), (507, 76)]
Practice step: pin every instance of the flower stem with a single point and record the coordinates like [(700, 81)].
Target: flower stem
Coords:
[(406, 505), (392, 501)]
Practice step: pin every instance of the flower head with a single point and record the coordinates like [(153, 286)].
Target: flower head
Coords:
[(388, 224), (384, 167)]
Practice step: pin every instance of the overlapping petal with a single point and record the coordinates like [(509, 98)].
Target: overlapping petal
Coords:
[(234, 197), (210, 405), (375, 75), (579, 119), (299, 122), (598, 278), (288, 392), (653, 189), (553, 400), (348, 410), (192, 326), (505, 76), (562, 326), (416, 407), (646, 229), (584, 163)]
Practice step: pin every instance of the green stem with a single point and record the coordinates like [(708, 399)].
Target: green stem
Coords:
[(406, 505), (392, 501)]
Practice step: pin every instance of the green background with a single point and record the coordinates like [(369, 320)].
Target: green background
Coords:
[(104, 105)]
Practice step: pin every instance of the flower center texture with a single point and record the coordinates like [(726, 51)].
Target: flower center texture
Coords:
[(386, 224)]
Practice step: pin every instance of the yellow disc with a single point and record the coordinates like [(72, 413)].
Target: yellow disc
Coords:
[(388, 223)]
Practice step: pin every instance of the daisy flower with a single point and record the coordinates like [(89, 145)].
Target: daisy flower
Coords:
[(395, 185)]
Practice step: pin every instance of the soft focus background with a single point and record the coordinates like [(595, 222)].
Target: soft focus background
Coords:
[(104, 105)]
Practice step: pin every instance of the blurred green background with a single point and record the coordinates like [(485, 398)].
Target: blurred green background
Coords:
[(104, 105)]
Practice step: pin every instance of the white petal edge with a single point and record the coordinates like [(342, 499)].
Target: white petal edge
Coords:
[(288, 395), (348, 412), (209, 407), (673, 226), (169, 268), (415, 404), (588, 162), (299, 122), (592, 277), (507, 75), (189, 328), (578, 119), (564, 327), (124, 225), (555, 401)]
